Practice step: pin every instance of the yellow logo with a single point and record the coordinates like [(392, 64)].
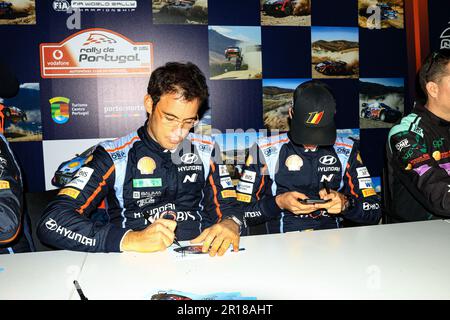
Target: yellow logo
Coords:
[(146, 165), (4, 184), (228, 194), (437, 155), (244, 197), (368, 192), (249, 160), (358, 157), (294, 163), (69, 192)]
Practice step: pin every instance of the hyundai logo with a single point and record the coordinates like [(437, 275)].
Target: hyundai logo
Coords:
[(189, 158), (328, 160), (51, 224)]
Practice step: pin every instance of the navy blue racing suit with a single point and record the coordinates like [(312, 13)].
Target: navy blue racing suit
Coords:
[(14, 233), (276, 165), (140, 182)]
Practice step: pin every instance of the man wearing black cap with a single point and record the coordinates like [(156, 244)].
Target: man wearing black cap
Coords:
[(12, 236), (308, 178)]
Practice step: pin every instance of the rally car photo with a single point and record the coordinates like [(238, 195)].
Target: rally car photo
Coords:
[(232, 52), (380, 111), (329, 67), (14, 114), (67, 169), (278, 7), (386, 11), (6, 9)]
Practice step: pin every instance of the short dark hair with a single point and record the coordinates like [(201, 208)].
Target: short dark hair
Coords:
[(185, 79), (434, 68)]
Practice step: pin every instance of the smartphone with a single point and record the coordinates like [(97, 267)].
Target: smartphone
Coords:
[(312, 201)]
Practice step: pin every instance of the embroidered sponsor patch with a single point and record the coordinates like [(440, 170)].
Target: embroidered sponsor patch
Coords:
[(244, 187), (368, 192), (365, 183), (249, 176), (147, 183), (228, 194), (362, 172), (4, 184), (223, 170), (81, 178), (244, 197), (73, 193), (226, 182)]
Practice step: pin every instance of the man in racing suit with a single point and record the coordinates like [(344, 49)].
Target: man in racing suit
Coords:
[(309, 162), (418, 149), (158, 183)]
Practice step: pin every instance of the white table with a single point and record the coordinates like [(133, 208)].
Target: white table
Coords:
[(40, 275), (399, 261)]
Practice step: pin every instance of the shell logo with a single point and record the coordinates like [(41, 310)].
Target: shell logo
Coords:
[(146, 165)]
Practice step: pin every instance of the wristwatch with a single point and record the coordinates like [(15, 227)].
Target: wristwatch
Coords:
[(237, 221), (349, 203)]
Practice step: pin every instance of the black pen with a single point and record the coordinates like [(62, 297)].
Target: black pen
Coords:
[(80, 292)]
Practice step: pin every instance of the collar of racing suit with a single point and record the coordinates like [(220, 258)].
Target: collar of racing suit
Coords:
[(151, 143), (423, 111)]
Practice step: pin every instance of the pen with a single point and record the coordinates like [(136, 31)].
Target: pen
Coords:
[(80, 292)]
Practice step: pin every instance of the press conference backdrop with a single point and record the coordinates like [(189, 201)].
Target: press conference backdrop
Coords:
[(84, 69)]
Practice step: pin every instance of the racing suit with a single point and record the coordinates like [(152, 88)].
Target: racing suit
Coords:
[(140, 183), (419, 167), (13, 238), (276, 165)]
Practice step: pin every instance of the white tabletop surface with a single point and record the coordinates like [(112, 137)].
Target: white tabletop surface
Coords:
[(398, 261), (39, 275)]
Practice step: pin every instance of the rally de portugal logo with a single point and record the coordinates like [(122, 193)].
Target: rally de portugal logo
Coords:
[(60, 109)]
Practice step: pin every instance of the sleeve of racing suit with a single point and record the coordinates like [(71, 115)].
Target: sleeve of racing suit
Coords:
[(10, 196), (254, 190), (219, 192), (358, 185), (65, 223), (411, 159)]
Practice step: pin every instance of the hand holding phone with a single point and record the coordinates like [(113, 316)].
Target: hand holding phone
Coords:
[(313, 201)]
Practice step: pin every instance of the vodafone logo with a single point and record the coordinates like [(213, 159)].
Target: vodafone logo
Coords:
[(58, 54)]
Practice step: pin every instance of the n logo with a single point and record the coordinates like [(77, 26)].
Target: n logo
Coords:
[(60, 109), (314, 117), (190, 178), (327, 178)]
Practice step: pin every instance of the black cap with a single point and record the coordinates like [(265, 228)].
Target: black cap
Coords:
[(9, 86), (313, 114)]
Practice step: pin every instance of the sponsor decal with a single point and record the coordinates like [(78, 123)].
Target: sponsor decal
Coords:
[(438, 143), (146, 165), (81, 178), (368, 192), (228, 194), (60, 109), (104, 6), (116, 111), (96, 52), (327, 178), (118, 155), (189, 158), (362, 172), (147, 183), (294, 163), (143, 202), (315, 117), (136, 195), (370, 206), (244, 197), (402, 144), (52, 225), (244, 187), (327, 169), (146, 194), (226, 182), (365, 183), (249, 176), (60, 5), (189, 168), (223, 170), (191, 178), (268, 151), (328, 160), (358, 158), (4, 184), (252, 214), (343, 150), (73, 193)]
